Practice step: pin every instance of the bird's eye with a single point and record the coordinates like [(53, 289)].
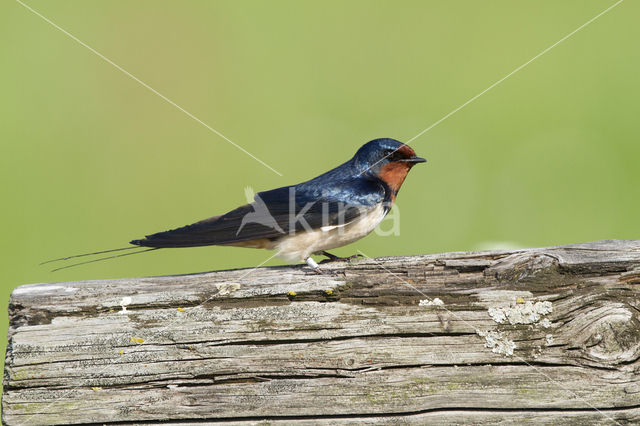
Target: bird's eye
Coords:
[(392, 155)]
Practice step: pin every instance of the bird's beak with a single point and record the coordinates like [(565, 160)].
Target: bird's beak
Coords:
[(415, 160)]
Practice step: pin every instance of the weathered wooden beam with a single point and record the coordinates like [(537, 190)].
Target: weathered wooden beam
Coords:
[(549, 335)]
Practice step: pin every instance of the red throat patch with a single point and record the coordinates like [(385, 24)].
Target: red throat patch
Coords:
[(393, 174)]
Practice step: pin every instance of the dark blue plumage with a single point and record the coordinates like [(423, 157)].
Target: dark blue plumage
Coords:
[(351, 182)]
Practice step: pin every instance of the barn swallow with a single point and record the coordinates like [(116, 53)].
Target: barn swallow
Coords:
[(329, 211)]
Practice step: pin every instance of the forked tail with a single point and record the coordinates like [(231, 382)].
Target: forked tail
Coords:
[(96, 253)]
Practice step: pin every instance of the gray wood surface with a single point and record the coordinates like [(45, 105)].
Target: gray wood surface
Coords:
[(549, 335)]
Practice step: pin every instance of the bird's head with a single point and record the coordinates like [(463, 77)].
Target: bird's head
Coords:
[(388, 160)]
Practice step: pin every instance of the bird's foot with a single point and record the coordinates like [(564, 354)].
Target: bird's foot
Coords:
[(334, 258), (316, 270)]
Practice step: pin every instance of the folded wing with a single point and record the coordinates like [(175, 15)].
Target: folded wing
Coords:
[(272, 215)]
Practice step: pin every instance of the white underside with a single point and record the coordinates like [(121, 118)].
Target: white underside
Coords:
[(300, 246)]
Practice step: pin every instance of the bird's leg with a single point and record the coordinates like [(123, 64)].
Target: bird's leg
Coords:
[(313, 265), (334, 258)]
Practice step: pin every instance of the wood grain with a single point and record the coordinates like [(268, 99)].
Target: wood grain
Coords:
[(547, 335)]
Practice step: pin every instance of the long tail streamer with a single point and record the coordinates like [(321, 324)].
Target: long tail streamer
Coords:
[(99, 259)]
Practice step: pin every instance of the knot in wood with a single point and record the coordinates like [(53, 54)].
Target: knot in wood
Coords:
[(613, 336)]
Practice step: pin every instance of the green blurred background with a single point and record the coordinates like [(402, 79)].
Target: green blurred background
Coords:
[(91, 159)]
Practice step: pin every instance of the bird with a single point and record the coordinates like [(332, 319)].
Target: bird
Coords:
[(329, 211)]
